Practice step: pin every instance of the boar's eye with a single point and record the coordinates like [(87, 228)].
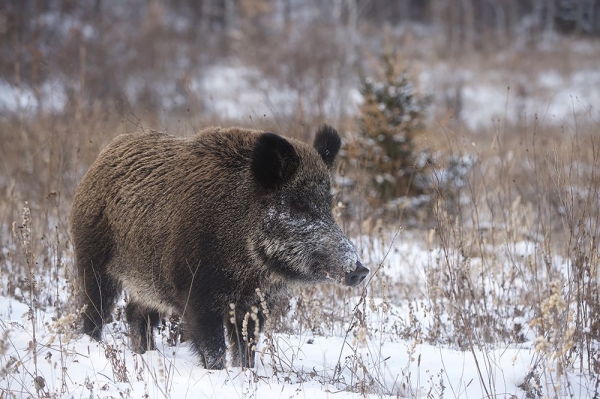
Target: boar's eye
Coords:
[(300, 205)]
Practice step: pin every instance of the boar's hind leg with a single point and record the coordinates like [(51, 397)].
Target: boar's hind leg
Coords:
[(206, 334), (142, 322), (98, 297), (242, 348)]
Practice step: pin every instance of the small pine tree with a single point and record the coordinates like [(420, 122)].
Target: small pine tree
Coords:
[(390, 119)]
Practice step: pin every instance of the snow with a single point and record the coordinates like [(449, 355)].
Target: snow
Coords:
[(489, 98), (305, 364), (234, 91), (374, 358), (14, 99)]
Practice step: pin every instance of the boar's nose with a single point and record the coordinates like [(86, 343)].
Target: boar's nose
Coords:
[(357, 276)]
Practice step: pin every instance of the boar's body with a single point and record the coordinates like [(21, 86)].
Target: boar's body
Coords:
[(197, 224)]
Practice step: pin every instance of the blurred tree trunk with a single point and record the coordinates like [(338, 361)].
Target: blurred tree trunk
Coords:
[(287, 16), (441, 20), (499, 22), (585, 16), (405, 10), (549, 15), (467, 18), (229, 19), (35, 59), (256, 16), (346, 23), (459, 20), (512, 21), (205, 9)]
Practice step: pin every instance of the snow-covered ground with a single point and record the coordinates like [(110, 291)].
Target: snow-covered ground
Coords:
[(349, 361), (486, 98), (304, 365)]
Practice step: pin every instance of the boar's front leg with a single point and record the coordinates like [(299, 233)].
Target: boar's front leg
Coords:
[(206, 335)]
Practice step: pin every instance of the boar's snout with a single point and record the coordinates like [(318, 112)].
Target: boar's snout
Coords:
[(357, 276)]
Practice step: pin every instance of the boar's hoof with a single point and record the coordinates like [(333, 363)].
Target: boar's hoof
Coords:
[(357, 276)]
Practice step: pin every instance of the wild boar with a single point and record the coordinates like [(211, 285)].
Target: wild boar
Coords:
[(196, 225)]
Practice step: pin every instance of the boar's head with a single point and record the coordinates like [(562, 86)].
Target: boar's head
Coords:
[(298, 239)]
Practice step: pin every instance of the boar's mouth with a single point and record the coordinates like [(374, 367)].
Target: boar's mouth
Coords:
[(283, 269)]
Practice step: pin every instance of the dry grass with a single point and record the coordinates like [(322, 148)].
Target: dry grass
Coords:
[(513, 259)]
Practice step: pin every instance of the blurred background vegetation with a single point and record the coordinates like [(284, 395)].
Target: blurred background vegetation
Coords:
[(111, 53), (81, 71), (470, 122)]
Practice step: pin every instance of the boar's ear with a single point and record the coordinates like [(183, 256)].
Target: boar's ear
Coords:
[(274, 160), (327, 143)]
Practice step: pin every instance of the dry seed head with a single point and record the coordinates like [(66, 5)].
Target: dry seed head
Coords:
[(430, 237), (161, 369), (541, 344), (6, 369), (64, 326), (245, 326), (26, 230), (385, 305), (232, 313), (555, 300), (39, 383), (26, 221), (361, 336), (4, 342), (372, 305), (254, 316), (412, 348), (263, 302), (535, 322)]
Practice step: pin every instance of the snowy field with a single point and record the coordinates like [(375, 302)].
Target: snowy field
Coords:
[(376, 347), (494, 295), (305, 367)]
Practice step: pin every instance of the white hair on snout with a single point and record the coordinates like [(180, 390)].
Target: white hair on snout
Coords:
[(296, 239), (350, 258)]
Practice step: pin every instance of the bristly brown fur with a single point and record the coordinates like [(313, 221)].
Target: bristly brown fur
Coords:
[(196, 224)]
